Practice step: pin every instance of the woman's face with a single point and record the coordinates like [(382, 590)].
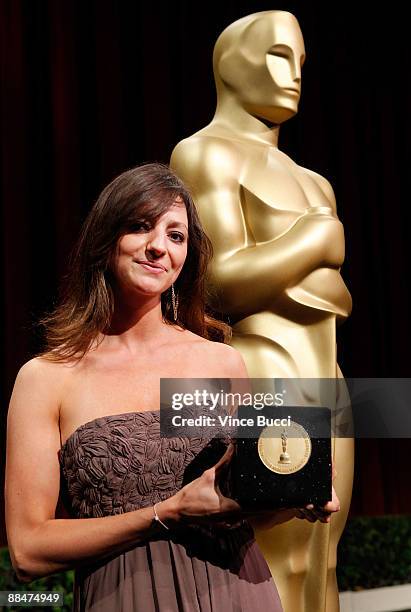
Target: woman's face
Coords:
[(149, 260)]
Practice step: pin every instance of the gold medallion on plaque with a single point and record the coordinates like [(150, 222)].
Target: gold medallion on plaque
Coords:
[(287, 453)]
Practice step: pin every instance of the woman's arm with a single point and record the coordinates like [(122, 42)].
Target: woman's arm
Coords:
[(39, 543)]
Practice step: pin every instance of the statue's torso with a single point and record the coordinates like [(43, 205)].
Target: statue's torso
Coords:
[(274, 192)]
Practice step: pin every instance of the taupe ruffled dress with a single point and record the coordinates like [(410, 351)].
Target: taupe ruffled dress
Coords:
[(119, 463)]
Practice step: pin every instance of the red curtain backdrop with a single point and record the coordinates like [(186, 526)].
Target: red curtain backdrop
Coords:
[(89, 89)]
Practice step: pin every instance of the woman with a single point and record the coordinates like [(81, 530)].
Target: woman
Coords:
[(132, 313)]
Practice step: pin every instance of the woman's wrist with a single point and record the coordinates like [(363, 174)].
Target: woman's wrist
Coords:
[(168, 510)]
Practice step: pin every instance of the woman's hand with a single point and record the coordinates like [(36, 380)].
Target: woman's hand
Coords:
[(313, 513), (323, 514), (201, 500)]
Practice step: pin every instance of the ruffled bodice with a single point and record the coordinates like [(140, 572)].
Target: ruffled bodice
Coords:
[(120, 463)]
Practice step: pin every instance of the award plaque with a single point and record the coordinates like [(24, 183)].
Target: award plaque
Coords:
[(283, 465)]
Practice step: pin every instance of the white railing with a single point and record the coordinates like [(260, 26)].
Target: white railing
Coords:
[(386, 599)]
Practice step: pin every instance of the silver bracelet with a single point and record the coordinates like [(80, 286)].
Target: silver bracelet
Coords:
[(157, 518)]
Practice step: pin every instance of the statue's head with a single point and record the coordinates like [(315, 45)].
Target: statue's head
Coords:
[(258, 60)]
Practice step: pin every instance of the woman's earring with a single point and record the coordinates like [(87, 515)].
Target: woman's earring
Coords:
[(174, 302)]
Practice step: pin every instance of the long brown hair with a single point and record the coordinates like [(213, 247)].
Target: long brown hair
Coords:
[(86, 306)]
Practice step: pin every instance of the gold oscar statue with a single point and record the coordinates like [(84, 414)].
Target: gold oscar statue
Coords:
[(278, 249)]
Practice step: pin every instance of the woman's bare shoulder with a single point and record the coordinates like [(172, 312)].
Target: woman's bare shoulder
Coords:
[(222, 358), (39, 370), (230, 359), (46, 363), (38, 390)]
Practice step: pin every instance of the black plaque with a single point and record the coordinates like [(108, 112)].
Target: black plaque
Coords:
[(282, 466)]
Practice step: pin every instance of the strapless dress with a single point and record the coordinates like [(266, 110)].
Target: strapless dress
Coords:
[(120, 463)]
